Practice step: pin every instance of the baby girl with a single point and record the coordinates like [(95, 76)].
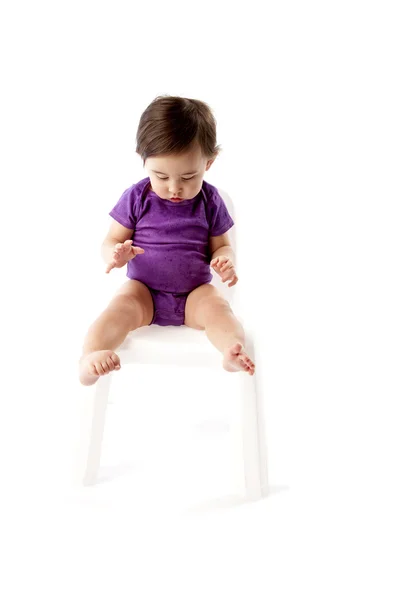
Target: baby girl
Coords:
[(169, 229)]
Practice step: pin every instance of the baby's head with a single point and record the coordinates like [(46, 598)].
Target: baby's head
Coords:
[(176, 140)]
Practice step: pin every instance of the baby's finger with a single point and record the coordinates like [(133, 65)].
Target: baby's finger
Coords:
[(110, 266), (137, 250), (228, 275), (227, 265), (233, 282)]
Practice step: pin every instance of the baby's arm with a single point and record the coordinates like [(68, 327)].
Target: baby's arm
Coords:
[(117, 234), (117, 248), (220, 245), (223, 258)]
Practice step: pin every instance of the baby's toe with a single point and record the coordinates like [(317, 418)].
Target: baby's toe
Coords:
[(115, 359), (236, 348), (248, 364), (106, 366), (110, 363), (99, 368)]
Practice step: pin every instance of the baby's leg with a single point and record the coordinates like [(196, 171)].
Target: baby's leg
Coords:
[(207, 309), (130, 308)]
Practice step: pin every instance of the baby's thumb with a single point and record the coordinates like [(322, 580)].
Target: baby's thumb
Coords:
[(137, 250)]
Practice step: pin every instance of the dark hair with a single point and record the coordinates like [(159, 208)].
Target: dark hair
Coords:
[(172, 125)]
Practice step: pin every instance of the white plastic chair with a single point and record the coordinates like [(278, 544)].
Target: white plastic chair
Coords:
[(184, 346)]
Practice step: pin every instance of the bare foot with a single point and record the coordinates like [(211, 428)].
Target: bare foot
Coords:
[(237, 359), (97, 363)]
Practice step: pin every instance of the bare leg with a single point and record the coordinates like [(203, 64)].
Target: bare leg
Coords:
[(206, 309), (128, 310)]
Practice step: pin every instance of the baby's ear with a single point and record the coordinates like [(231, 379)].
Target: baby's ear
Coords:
[(209, 163)]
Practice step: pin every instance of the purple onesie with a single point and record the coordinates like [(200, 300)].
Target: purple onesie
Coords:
[(174, 236)]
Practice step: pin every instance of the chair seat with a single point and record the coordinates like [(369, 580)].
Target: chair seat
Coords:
[(178, 345)]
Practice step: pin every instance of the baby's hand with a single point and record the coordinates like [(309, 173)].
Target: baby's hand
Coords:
[(122, 254), (225, 269)]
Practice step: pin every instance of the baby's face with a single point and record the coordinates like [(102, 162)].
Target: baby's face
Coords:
[(177, 177)]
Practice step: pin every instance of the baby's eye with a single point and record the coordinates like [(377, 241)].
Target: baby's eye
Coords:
[(183, 178)]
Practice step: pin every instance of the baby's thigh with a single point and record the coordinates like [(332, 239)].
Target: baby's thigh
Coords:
[(134, 300)]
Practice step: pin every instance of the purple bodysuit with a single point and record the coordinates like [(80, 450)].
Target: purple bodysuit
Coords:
[(175, 238)]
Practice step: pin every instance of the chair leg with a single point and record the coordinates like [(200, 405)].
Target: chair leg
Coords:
[(97, 415), (253, 433)]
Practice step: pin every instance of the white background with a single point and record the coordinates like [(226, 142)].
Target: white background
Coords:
[(306, 97)]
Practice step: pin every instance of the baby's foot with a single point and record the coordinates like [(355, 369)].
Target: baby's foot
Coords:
[(237, 359), (97, 363)]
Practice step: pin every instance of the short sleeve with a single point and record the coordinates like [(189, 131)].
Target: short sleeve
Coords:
[(219, 218), (125, 211)]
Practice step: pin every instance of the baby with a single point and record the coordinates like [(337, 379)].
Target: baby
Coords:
[(169, 228)]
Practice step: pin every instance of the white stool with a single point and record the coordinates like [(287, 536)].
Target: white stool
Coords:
[(185, 346)]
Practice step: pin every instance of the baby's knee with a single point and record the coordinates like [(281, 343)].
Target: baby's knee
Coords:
[(129, 310), (215, 304)]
